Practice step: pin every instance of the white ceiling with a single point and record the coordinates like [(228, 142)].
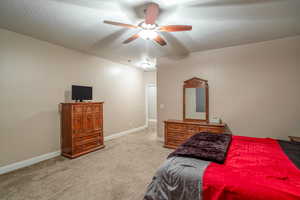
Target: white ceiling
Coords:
[(77, 24)]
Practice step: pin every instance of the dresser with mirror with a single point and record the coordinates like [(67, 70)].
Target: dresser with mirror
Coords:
[(195, 115)]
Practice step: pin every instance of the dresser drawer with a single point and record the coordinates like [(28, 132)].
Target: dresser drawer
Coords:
[(77, 109), (179, 135), (211, 129), (176, 138), (89, 108), (97, 108), (87, 141), (93, 108), (82, 138), (87, 146), (87, 133), (174, 141), (176, 127), (192, 129)]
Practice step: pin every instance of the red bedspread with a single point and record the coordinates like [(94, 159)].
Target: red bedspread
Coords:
[(255, 168)]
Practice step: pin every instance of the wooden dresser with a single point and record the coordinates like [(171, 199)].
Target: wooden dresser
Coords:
[(177, 131), (81, 128)]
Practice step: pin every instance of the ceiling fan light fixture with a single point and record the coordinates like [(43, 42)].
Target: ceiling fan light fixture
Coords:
[(145, 65), (148, 64), (148, 34), (148, 26)]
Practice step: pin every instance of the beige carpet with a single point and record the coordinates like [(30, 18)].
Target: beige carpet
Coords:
[(121, 171)]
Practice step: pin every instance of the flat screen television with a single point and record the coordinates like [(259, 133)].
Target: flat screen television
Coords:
[(82, 93)]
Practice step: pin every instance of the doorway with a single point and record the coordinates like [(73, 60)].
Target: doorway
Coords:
[(151, 103)]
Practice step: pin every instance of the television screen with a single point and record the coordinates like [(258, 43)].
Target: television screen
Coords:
[(82, 93)]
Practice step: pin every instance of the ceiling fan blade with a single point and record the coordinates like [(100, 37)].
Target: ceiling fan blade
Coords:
[(151, 13), (160, 40), (175, 28), (120, 24), (135, 36)]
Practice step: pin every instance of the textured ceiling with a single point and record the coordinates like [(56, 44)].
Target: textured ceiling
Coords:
[(77, 24)]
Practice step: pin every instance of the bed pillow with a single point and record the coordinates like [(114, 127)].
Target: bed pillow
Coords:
[(205, 146)]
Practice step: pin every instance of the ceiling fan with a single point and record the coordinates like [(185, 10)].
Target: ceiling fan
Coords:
[(148, 28)]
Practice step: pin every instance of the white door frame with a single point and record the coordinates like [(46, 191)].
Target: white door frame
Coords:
[(146, 101)]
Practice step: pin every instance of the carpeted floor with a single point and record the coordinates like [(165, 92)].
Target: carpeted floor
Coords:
[(121, 171)]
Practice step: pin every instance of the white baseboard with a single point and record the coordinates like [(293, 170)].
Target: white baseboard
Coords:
[(34, 160), (116, 135), (28, 162), (152, 120)]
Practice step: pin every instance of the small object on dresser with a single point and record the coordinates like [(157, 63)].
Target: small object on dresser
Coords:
[(294, 139), (216, 120)]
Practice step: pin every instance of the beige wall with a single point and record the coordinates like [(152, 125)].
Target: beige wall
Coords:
[(36, 76), (254, 88), (150, 77)]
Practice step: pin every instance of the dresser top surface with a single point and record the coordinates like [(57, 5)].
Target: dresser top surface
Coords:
[(195, 123), (83, 103)]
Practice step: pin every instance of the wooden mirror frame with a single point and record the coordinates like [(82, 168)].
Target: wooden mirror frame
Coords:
[(196, 83)]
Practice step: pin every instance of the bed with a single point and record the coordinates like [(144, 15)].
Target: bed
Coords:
[(252, 169)]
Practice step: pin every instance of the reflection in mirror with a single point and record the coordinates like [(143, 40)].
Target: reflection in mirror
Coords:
[(195, 100), (195, 103)]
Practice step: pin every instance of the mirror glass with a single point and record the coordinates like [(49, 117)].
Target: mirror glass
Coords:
[(195, 103)]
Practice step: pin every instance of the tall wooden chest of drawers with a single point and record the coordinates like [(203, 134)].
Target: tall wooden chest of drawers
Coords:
[(81, 128), (178, 131)]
